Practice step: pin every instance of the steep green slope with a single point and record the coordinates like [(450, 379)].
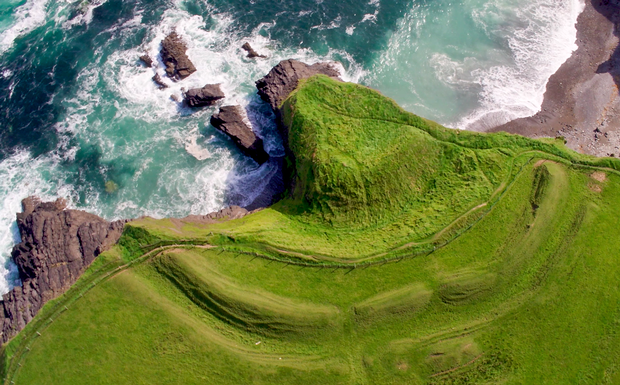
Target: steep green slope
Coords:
[(376, 183), (434, 257)]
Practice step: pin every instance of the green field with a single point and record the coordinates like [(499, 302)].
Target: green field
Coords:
[(407, 253)]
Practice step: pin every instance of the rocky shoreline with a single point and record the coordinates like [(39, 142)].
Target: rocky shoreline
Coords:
[(581, 104), (582, 100), (59, 244)]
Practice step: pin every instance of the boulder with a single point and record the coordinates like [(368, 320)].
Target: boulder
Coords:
[(56, 248), (146, 59), (205, 96), (230, 120), (251, 53), (173, 54)]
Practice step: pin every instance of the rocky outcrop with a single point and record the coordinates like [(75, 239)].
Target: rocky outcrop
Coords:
[(282, 79), (146, 59), (173, 54), (56, 248), (160, 83), (251, 53), (205, 96), (230, 120)]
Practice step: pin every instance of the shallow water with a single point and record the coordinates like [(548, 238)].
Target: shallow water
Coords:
[(78, 111)]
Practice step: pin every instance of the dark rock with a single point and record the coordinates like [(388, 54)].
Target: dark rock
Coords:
[(251, 53), (282, 79), (146, 59), (205, 96), (173, 54), (230, 121), (160, 83), (56, 248)]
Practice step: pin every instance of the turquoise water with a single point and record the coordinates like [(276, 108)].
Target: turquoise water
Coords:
[(77, 110)]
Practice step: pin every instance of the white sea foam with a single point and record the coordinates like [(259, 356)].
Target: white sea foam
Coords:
[(218, 59), (490, 66), (27, 17), (541, 36), (372, 17), (84, 15), (332, 25)]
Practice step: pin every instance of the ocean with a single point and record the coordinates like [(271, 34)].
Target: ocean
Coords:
[(80, 117)]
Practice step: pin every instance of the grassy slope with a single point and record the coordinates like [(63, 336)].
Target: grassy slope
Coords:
[(528, 294), (375, 182)]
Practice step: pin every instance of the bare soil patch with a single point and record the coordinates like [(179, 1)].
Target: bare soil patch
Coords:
[(599, 176)]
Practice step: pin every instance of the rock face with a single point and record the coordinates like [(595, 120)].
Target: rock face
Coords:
[(57, 246), (251, 53), (230, 121), (205, 96), (282, 79), (173, 54)]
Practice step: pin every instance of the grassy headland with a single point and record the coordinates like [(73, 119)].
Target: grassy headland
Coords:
[(407, 253)]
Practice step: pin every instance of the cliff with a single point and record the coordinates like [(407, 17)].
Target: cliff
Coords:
[(56, 248)]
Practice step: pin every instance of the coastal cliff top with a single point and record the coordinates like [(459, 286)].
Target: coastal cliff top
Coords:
[(375, 177), (406, 252)]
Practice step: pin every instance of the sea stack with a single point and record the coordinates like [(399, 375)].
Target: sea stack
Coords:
[(230, 120), (173, 54), (160, 82)]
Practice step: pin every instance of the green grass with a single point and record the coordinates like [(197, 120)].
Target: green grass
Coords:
[(406, 254)]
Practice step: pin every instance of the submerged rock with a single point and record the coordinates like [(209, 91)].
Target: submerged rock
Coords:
[(146, 59), (251, 53), (205, 96), (230, 120), (56, 248), (173, 54), (160, 83)]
